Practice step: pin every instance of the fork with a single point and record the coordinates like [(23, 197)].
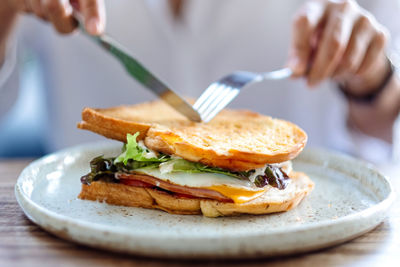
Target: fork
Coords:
[(220, 93)]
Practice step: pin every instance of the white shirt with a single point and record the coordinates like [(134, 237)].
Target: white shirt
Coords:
[(214, 38)]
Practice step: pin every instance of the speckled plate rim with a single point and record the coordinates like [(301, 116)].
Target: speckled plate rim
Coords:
[(64, 226)]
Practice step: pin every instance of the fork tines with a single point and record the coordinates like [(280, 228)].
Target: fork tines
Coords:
[(220, 93)]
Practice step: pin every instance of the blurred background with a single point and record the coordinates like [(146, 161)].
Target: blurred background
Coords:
[(22, 127)]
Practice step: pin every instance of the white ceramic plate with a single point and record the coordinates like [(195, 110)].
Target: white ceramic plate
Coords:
[(349, 199)]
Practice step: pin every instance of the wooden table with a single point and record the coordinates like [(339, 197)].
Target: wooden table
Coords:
[(24, 244)]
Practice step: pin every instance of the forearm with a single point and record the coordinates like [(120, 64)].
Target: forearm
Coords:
[(376, 119), (8, 17)]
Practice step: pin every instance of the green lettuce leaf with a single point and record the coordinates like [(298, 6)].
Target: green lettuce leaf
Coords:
[(182, 165), (132, 151)]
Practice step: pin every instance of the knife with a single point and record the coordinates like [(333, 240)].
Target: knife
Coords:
[(136, 70)]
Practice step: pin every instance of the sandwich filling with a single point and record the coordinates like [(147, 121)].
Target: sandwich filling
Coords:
[(142, 167)]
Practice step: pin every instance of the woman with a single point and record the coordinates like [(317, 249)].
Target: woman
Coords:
[(331, 44)]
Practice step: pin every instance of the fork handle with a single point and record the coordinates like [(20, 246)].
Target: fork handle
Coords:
[(277, 74)]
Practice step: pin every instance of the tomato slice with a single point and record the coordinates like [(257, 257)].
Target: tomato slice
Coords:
[(137, 183)]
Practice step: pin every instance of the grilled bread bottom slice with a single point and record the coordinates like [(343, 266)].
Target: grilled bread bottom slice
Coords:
[(274, 200), (238, 140)]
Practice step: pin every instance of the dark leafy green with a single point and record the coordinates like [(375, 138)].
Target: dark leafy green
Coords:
[(273, 176), (101, 168)]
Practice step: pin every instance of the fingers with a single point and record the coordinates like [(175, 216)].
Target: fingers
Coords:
[(375, 50), (59, 13), (93, 12), (333, 43), (36, 7), (305, 25), (357, 48), (337, 39), (19, 5)]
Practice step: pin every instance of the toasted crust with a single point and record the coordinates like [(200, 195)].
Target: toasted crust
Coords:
[(239, 140), (273, 200)]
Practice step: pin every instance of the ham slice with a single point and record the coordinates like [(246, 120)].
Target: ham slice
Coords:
[(179, 189)]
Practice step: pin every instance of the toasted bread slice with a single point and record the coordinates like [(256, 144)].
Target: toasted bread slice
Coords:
[(274, 200), (239, 140)]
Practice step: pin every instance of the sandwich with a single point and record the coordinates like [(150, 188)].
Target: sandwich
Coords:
[(239, 163)]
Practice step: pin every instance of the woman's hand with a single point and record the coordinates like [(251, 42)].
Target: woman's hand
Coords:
[(339, 40), (59, 13)]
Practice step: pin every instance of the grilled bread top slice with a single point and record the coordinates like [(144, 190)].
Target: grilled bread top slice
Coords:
[(238, 140)]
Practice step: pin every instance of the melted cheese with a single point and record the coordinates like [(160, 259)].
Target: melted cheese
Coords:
[(238, 195), (240, 191)]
